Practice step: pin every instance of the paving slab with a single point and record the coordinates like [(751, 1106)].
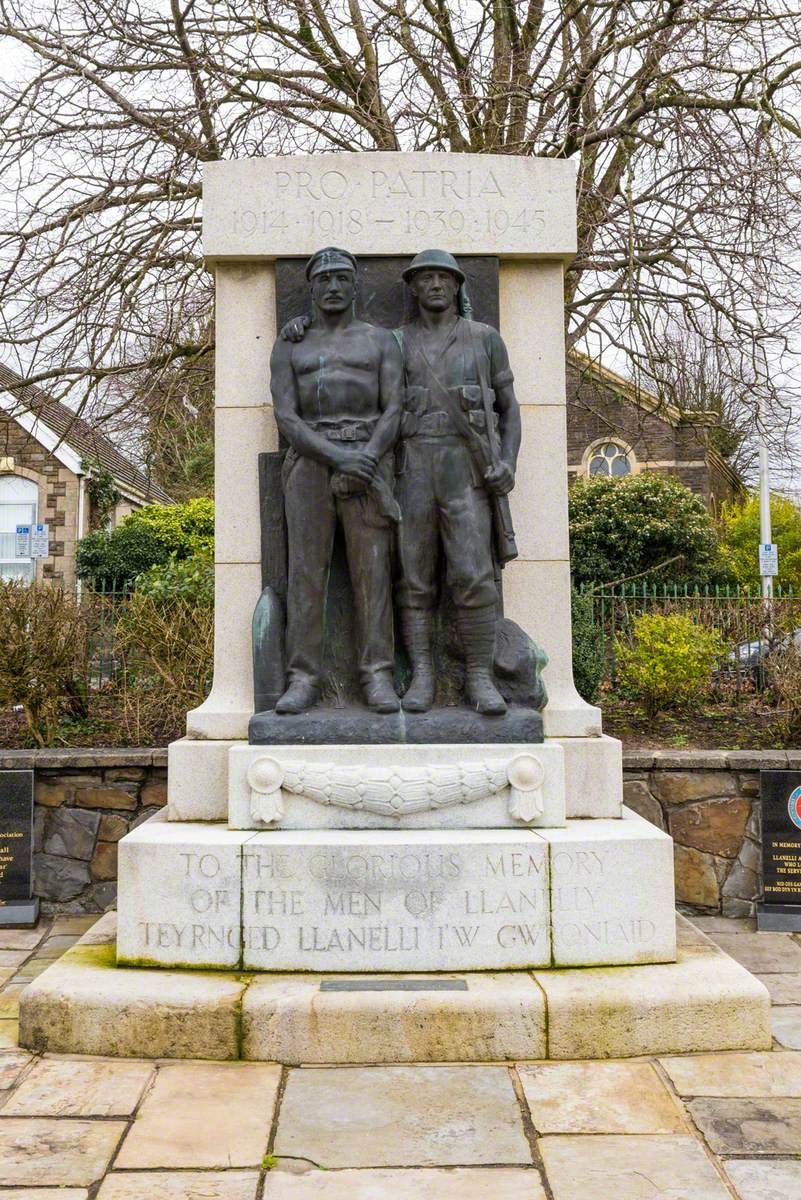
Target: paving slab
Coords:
[(457, 1183), (9, 1033), (713, 925), (56, 1152), (77, 925), (45, 1193), (204, 1115), (785, 1022), (60, 1088), (21, 939), (599, 1097), (54, 946), (756, 1179), (9, 1001), (12, 1064), (762, 952), (179, 1185), (749, 1126), (662, 1167), (784, 989), (13, 958), (397, 1116), (736, 1075)]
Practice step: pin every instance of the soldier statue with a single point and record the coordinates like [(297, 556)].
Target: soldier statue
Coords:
[(337, 399), (456, 461), (460, 437)]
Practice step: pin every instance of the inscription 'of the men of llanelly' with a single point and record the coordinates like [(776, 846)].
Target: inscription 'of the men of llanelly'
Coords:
[(337, 399)]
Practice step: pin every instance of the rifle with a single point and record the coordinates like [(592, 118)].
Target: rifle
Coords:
[(488, 454)]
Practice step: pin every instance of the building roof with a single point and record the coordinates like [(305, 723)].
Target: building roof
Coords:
[(638, 395), (56, 426)]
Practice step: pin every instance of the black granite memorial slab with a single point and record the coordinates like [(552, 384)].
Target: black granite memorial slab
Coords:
[(780, 908), (18, 906)]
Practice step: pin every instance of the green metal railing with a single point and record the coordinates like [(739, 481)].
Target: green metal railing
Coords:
[(748, 627)]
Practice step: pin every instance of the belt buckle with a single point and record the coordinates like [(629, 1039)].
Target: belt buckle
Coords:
[(350, 434)]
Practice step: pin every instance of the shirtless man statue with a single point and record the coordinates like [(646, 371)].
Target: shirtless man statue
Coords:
[(337, 396)]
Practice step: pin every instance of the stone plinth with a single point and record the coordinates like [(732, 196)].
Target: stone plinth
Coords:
[(357, 726), (396, 787), (84, 1004), (593, 893)]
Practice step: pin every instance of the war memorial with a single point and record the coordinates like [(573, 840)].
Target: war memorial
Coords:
[(394, 830)]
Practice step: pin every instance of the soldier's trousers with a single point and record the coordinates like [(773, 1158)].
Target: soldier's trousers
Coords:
[(312, 512), (440, 501)]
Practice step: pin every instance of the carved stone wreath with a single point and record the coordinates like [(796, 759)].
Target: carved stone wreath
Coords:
[(396, 791)]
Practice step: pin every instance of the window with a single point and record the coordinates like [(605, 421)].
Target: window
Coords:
[(609, 458), (18, 500)]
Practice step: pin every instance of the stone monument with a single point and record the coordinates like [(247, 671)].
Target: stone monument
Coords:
[(388, 776), (393, 826)]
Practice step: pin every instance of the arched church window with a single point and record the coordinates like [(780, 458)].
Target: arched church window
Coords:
[(18, 502), (609, 458)]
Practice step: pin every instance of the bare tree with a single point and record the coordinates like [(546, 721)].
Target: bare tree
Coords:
[(682, 116)]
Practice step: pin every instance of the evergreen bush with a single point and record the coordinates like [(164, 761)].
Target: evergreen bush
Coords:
[(588, 648), (642, 526), (668, 661)]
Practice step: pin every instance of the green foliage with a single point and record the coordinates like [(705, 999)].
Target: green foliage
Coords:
[(111, 559), (183, 529), (588, 648), (43, 655), (669, 661), (621, 528), (151, 537), (739, 536), (189, 579), (101, 491)]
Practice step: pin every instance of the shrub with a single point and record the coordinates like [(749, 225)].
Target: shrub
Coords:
[(182, 529), (669, 661), (189, 579), (111, 559), (43, 655), (148, 538), (621, 528), (739, 536), (588, 648), (167, 650), (783, 674)]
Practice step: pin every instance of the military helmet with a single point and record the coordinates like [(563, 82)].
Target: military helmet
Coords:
[(433, 260)]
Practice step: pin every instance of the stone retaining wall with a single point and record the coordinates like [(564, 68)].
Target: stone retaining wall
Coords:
[(86, 800)]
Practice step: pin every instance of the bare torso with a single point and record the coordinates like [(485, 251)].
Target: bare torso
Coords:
[(337, 374)]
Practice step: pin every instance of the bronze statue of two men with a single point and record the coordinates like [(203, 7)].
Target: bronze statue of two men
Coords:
[(407, 439)]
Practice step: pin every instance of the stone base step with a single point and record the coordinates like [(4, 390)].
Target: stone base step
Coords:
[(85, 1004)]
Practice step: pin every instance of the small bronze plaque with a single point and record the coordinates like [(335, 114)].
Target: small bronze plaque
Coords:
[(393, 985)]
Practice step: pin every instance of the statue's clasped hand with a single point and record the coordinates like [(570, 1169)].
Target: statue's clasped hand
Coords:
[(359, 464), (500, 478)]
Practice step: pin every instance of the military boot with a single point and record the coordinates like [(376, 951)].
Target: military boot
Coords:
[(417, 627), (477, 633), (301, 694), (379, 694)]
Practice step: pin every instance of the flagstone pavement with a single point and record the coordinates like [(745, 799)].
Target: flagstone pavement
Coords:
[(697, 1127)]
